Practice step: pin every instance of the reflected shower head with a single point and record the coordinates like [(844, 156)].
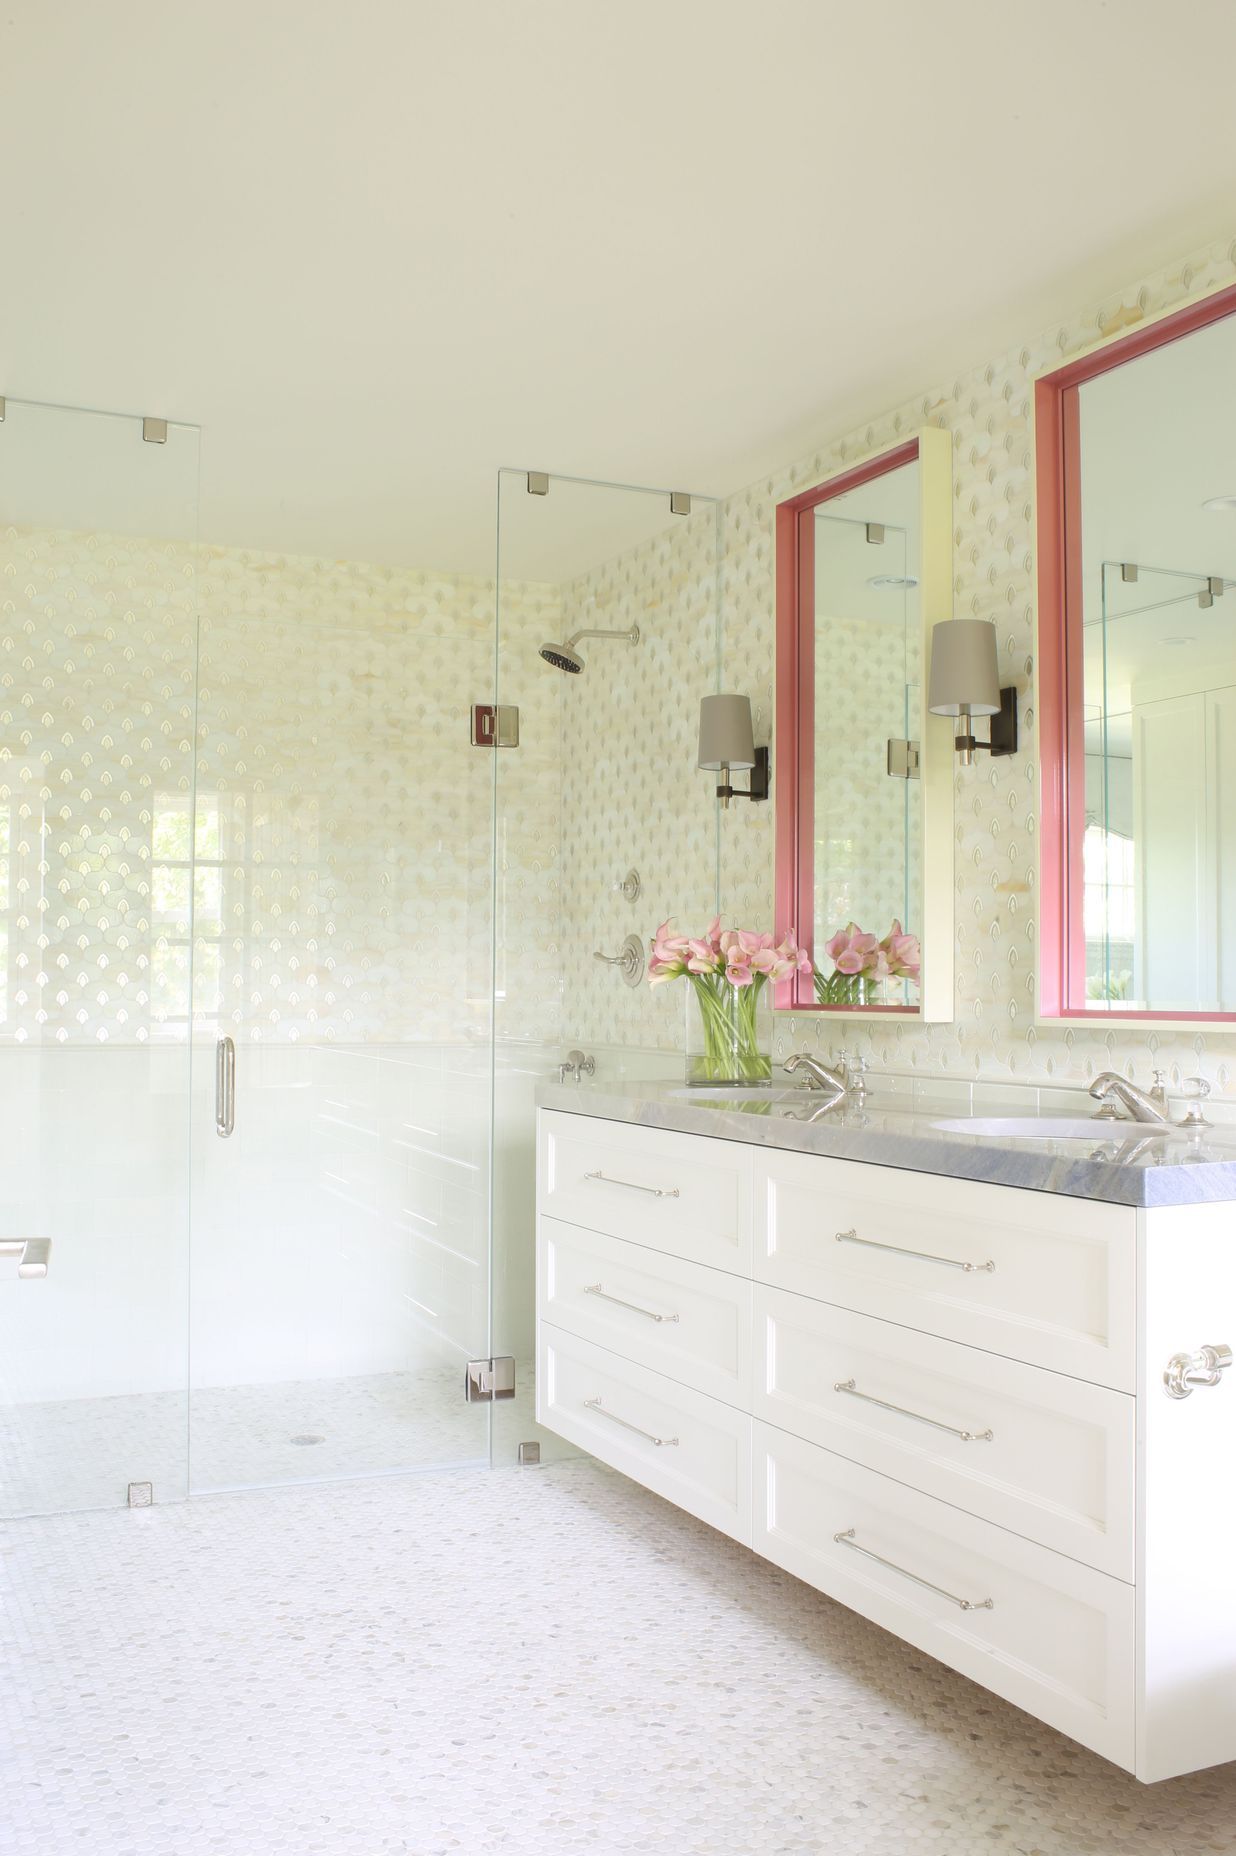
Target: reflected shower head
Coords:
[(566, 657), (562, 657)]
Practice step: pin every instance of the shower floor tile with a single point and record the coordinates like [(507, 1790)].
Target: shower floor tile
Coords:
[(531, 1663), (83, 1453)]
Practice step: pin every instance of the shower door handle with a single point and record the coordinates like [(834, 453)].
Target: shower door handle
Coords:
[(225, 1087), (32, 1254)]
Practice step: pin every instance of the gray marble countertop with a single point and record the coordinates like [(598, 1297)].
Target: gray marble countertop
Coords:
[(1122, 1162)]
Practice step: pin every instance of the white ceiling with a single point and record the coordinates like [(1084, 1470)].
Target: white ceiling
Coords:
[(379, 249)]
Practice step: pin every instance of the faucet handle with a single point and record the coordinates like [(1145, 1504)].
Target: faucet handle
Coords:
[(1196, 1090)]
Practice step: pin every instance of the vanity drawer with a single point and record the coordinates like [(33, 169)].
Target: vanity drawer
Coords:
[(1058, 1639), (680, 1193), (679, 1318), (1034, 1275), (1045, 1455), (618, 1411)]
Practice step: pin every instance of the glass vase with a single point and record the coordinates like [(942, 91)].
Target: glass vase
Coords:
[(729, 1032), (849, 989)]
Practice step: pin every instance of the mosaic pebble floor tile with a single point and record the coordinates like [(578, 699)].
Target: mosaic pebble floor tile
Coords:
[(527, 1663), (82, 1453)]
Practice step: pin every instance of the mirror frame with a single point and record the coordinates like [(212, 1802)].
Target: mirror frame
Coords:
[(1060, 670), (932, 448)]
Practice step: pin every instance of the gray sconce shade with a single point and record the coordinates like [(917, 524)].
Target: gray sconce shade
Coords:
[(964, 677), (726, 736)]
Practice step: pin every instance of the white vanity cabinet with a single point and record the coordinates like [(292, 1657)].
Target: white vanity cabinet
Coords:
[(938, 1401)]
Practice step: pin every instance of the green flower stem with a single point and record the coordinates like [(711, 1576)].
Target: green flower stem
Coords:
[(731, 1038)]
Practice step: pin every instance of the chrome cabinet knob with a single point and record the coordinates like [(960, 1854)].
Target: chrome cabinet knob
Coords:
[(1186, 1371)]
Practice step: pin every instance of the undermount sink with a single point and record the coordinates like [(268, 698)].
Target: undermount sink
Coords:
[(734, 1092), (1053, 1128)]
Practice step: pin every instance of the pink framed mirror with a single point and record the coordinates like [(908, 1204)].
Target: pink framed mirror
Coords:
[(863, 774), (1136, 484)]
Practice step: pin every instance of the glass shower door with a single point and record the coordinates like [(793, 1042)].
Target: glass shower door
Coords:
[(98, 646), (341, 838)]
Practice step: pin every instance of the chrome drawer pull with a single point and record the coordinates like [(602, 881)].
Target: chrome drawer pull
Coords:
[(953, 1263), (662, 1443), (967, 1437), (594, 1288), (963, 1604), (656, 1192)]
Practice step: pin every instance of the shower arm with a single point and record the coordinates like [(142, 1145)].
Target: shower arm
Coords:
[(632, 636)]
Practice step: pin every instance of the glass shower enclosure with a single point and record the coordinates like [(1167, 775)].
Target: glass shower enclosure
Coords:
[(286, 944), (246, 879)]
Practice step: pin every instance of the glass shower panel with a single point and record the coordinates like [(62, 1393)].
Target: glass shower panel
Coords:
[(342, 845), (603, 783), (98, 646)]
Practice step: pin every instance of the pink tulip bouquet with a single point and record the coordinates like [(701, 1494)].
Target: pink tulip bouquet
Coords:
[(861, 960), (728, 969)]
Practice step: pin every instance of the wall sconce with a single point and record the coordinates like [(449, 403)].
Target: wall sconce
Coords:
[(727, 741), (966, 683)]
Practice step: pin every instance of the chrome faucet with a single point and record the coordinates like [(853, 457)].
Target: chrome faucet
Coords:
[(817, 1075), (1138, 1104)]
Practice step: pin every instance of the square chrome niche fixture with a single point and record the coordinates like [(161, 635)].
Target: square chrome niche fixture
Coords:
[(727, 741), (965, 682)]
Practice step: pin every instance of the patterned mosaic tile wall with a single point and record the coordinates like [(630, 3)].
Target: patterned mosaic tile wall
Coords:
[(988, 412), (342, 822), (632, 796)]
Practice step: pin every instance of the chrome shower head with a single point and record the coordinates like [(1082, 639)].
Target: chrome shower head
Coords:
[(562, 657), (566, 657)]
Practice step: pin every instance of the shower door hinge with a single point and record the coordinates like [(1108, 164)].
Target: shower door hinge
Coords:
[(495, 725), (903, 760), (486, 1380)]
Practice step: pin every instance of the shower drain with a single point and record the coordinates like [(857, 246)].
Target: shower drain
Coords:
[(306, 1437)]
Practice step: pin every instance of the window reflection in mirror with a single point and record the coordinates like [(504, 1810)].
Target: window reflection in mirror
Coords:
[(868, 646), (1156, 471)]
